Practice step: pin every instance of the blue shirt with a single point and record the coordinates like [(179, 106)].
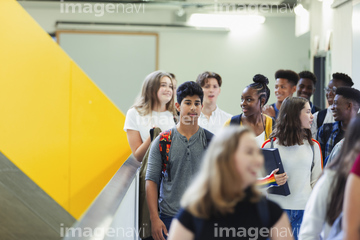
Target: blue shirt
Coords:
[(276, 110), (329, 135), (314, 108)]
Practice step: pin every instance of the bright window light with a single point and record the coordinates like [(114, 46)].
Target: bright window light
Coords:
[(224, 20), (300, 10)]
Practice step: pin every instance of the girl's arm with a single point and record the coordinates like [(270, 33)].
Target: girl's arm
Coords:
[(179, 232), (318, 164), (351, 208), (282, 229), (138, 147), (157, 226)]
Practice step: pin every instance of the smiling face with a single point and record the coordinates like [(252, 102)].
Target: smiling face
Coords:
[(283, 89), (250, 103), (211, 91), (340, 108), (165, 91), (305, 88), (190, 109), (306, 116), (331, 88), (248, 159)]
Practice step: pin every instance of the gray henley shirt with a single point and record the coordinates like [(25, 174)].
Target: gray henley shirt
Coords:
[(185, 159)]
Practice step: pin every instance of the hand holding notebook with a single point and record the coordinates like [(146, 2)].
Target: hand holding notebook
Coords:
[(273, 161)]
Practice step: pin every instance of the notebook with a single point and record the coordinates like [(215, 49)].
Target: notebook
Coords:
[(273, 161)]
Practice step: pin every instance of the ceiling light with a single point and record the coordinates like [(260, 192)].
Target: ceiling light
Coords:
[(224, 20)]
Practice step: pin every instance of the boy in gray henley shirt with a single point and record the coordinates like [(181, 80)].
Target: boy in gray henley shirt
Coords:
[(187, 147)]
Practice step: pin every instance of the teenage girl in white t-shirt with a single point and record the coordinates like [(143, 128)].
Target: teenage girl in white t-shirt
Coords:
[(153, 108)]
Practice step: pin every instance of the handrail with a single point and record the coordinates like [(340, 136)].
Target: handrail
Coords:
[(103, 210)]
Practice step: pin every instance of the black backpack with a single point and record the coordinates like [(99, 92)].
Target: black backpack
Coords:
[(320, 118)]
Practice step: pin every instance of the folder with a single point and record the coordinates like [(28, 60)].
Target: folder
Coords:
[(272, 162)]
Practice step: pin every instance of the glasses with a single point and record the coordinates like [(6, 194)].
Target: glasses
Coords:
[(328, 90)]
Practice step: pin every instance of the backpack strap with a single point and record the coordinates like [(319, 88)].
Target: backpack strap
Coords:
[(273, 123), (164, 146), (151, 134), (263, 210), (208, 136), (272, 142), (235, 120), (320, 118), (313, 159)]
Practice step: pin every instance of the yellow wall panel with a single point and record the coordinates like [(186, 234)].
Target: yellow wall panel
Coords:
[(55, 124), (98, 142), (34, 101)]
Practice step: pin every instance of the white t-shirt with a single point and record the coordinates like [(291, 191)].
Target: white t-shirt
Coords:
[(297, 161), (314, 225), (260, 139), (216, 120), (329, 118), (143, 124)]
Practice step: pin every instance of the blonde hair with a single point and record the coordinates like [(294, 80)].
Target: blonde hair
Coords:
[(217, 188), (148, 99)]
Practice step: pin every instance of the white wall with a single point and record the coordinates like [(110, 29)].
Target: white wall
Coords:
[(237, 57), (356, 44), (326, 20)]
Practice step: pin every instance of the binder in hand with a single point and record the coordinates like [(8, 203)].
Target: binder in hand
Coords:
[(272, 162)]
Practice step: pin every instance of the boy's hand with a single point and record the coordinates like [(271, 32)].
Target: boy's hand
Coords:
[(157, 228)]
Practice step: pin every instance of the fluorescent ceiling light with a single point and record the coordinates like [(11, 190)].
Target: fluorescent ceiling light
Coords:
[(224, 20)]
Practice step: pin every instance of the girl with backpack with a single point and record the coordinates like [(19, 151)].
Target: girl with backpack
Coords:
[(300, 156), (153, 108), (222, 201), (253, 98), (326, 201)]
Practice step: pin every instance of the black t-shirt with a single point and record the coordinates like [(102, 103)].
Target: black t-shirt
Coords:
[(244, 223)]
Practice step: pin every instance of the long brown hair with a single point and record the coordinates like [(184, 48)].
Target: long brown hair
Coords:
[(342, 165), (288, 129), (148, 99), (216, 189)]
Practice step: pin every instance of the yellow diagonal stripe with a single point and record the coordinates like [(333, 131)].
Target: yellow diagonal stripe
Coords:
[(55, 124)]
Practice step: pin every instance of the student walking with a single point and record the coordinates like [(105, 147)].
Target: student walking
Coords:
[(153, 108), (326, 116), (300, 155), (326, 201), (223, 201), (253, 99), (185, 144), (285, 86), (212, 117)]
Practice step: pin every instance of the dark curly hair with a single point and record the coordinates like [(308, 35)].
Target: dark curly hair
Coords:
[(290, 75), (349, 93), (260, 85), (309, 75), (288, 124), (189, 88), (346, 79)]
